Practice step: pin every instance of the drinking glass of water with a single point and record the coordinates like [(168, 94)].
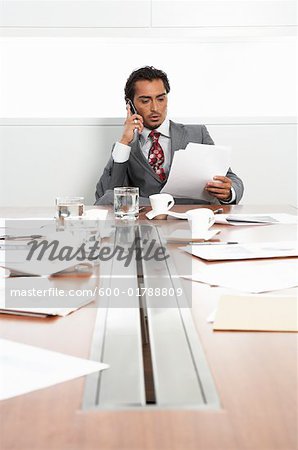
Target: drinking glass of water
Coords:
[(69, 206), (126, 202)]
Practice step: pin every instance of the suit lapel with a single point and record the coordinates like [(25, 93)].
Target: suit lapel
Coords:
[(178, 138), (178, 141), (140, 158)]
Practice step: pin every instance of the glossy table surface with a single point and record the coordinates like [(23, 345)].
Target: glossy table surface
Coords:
[(255, 374)]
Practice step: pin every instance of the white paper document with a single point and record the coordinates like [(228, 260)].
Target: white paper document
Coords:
[(43, 226), (16, 222), (246, 219), (193, 167), (22, 267), (250, 276), (256, 219), (25, 222), (4, 273), (25, 368), (257, 250), (14, 254)]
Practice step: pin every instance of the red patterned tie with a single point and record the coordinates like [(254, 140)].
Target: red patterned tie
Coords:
[(156, 155)]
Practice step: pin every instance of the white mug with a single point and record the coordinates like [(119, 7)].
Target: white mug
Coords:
[(200, 220), (160, 204)]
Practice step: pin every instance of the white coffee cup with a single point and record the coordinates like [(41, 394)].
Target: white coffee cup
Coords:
[(200, 220), (160, 204)]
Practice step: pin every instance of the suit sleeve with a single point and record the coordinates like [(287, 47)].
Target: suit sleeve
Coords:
[(237, 185), (114, 174), (206, 138)]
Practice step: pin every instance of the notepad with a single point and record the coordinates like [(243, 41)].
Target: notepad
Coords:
[(257, 313)]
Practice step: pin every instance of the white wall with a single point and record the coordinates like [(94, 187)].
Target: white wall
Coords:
[(84, 77), (144, 13), (231, 65), (45, 158)]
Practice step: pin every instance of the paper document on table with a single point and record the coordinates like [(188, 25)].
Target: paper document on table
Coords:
[(258, 250), (257, 313), (38, 221), (250, 276), (256, 219), (43, 296), (46, 224), (4, 273), (23, 267), (25, 368), (193, 167), (14, 254)]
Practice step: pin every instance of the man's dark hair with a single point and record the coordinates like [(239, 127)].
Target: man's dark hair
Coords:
[(144, 73)]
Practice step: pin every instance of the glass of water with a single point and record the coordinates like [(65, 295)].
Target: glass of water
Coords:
[(69, 207), (126, 202)]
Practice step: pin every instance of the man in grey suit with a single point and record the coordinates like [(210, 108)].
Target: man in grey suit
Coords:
[(143, 158)]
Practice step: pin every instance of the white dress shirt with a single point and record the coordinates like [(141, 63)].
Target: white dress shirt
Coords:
[(121, 152)]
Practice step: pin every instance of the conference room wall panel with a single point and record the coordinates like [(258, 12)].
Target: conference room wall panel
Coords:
[(77, 13), (214, 13), (145, 13), (44, 158), (85, 77)]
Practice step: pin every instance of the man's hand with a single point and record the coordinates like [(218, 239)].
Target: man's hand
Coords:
[(132, 122), (220, 189)]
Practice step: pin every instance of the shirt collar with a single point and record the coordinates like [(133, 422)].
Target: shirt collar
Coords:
[(163, 129)]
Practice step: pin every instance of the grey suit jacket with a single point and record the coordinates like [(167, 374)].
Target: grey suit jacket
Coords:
[(137, 171)]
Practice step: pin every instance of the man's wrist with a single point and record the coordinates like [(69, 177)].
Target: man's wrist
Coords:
[(229, 198), (232, 197), (124, 141), (121, 152)]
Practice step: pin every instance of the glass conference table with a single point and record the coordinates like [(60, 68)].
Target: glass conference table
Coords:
[(173, 383)]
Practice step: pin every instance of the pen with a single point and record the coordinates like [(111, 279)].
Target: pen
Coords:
[(218, 211), (7, 237), (211, 243)]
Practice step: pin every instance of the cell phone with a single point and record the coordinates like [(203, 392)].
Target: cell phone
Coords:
[(132, 106), (134, 111)]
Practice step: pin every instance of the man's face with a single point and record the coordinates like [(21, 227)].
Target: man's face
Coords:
[(151, 102)]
